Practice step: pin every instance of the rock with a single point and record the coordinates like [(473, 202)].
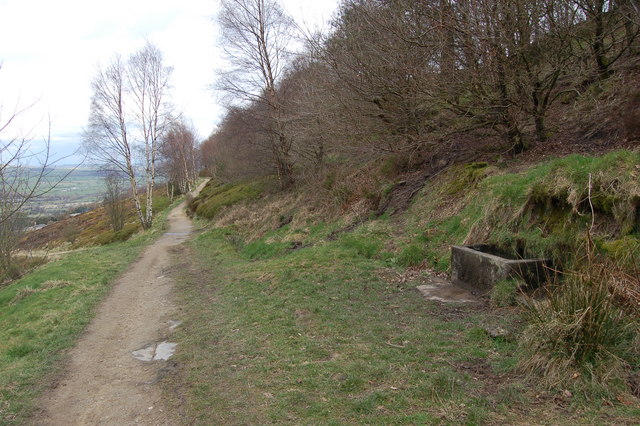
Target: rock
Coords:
[(495, 332)]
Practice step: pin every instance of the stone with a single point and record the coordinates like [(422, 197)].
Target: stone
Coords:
[(495, 332), (445, 293), (160, 352), (480, 267)]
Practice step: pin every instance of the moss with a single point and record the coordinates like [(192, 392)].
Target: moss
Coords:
[(625, 251), (505, 292), (467, 176), (541, 211)]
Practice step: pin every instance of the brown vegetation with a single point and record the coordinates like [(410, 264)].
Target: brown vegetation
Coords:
[(397, 78)]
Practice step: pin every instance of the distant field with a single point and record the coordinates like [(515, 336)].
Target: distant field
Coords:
[(82, 187)]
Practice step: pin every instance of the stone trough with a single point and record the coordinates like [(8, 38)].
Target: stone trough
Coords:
[(480, 266)]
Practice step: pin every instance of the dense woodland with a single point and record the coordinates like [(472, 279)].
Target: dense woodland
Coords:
[(404, 79)]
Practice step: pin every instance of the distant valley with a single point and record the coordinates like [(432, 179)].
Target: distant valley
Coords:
[(78, 190)]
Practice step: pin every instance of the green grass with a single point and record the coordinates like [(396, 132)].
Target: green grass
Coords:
[(541, 211), (412, 255), (42, 314), (319, 336)]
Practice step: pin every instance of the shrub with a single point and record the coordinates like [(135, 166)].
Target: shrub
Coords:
[(122, 235), (71, 232), (578, 336)]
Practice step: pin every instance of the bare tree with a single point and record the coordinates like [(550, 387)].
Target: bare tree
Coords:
[(25, 175), (149, 80), (256, 34), (240, 147), (129, 112), (114, 200), (609, 32), (179, 156), (386, 54)]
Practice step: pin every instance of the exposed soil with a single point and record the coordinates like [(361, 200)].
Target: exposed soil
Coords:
[(103, 383)]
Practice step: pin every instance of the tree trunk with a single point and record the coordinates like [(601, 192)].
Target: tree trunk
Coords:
[(137, 204), (602, 62), (541, 132)]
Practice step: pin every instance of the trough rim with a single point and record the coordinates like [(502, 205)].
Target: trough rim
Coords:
[(468, 248)]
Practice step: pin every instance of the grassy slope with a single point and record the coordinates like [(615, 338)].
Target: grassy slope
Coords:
[(40, 319), (336, 333), (319, 335)]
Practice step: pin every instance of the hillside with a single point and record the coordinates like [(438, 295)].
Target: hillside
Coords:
[(304, 304), (340, 185), (318, 275)]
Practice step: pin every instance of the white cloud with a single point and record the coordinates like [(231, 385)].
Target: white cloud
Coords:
[(50, 51)]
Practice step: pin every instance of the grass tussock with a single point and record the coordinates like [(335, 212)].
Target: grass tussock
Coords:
[(23, 293), (579, 337)]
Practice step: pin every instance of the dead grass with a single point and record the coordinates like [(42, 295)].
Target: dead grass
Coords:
[(27, 291), (51, 284), (579, 337), (23, 293)]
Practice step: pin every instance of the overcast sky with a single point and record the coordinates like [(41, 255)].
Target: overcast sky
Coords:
[(50, 51)]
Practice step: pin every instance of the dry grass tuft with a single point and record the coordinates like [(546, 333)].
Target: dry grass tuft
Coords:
[(27, 291), (51, 284), (23, 293), (580, 336)]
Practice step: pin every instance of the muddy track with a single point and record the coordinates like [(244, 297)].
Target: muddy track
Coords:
[(103, 383)]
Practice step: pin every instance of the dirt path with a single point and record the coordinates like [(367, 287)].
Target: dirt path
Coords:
[(104, 384)]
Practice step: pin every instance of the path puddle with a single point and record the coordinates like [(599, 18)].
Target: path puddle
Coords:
[(144, 354), (164, 351), (179, 234), (160, 352)]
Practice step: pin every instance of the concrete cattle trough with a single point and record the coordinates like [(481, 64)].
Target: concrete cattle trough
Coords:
[(480, 266)]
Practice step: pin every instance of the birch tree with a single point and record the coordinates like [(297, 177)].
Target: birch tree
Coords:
[(129, 113)]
